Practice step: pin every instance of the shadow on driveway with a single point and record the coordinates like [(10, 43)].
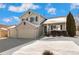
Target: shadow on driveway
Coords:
[(9, 43)]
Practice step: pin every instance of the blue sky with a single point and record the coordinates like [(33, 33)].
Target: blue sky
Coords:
[(10, 12)]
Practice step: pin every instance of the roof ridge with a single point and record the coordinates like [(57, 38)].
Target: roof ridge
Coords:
[(33, 12), (56, 17)]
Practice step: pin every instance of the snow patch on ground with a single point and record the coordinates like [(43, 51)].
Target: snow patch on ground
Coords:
[(57, 47)]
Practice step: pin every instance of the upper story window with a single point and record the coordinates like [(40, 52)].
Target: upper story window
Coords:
[(32, 19), (29, 12), (26, 19)]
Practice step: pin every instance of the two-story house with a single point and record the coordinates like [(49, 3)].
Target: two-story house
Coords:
[(31, 26)]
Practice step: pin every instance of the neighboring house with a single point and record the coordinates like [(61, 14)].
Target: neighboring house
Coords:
[(77, 25), (31, 26), (3, 31)]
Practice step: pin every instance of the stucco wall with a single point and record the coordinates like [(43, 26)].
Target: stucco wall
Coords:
[(40, 18), (3, 33), (12, 33), (77, 33), (63, 26), (39, 31), (27, 31)]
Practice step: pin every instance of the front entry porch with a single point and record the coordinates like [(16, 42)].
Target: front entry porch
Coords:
[(55, 29)]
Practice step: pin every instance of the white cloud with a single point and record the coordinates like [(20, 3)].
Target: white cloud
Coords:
[(7, 20), (35, 7), (50, 9), (13, 18), (2, 5), (23, 7), (16, 19), (74, 6)]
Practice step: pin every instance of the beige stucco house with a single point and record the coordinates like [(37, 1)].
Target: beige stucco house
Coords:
[(33, 25)]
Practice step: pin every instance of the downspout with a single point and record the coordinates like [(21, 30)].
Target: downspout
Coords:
[(8, 33), (16, 33)]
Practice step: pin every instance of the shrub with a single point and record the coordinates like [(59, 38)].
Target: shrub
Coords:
[(70, 25), (47, 52), (58, 33), (53, 33), (47, 35)]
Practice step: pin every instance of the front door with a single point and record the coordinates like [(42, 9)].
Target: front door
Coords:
[(45, 29)]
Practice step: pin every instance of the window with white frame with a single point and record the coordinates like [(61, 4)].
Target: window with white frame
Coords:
[(32, 19), (54, 27)]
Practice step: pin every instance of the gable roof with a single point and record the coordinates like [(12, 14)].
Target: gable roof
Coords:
[(56, 20), (13, 26), (32, 12), (3, 27)]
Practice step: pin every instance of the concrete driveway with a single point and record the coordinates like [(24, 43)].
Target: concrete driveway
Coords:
[(9, 43), (73, 45), (57, 47)]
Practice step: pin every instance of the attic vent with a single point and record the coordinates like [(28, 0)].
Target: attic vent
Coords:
[(22, 19), (29, 12)]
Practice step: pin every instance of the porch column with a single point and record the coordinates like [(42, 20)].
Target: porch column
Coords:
[(47, 28), (8, 32), (16, 33), (60, 27)]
